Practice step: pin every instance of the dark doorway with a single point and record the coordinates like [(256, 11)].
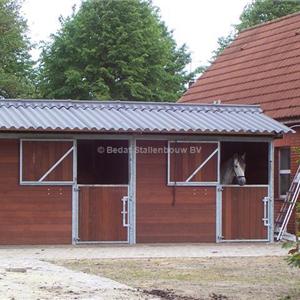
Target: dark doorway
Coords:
[(102, 162), (256, 159)]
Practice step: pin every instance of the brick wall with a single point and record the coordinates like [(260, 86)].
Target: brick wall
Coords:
[(289, 140)]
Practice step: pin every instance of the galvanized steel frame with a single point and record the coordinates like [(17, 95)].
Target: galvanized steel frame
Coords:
[(132, 176), (187, 182), (40, 181), (270, 206), (75, 235), (271, 192)]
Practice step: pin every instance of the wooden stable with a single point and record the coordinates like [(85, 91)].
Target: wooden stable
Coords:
[(40, 212), (100, 187)]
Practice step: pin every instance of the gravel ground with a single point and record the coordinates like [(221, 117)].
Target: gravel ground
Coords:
[(144, 250), (29, 272), (22, 279)]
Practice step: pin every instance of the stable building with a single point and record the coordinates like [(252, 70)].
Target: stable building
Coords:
[(262, 67), (131, 172)]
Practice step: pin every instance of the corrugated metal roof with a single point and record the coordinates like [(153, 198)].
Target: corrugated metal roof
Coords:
[(131, 117)]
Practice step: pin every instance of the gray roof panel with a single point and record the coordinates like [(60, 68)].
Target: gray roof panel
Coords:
[(139, 117)]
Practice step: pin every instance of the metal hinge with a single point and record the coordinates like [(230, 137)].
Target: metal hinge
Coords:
[(76, 188), (220, 189)]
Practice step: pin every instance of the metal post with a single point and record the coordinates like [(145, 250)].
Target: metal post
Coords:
[(132, 191), (21, 162), (74, 196), (219, 190), (271, 193)]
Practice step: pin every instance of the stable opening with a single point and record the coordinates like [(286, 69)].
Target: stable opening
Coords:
[(253, 156), (102, 162)]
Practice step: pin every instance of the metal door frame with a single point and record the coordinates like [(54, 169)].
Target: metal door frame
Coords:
[(270, 204), (78, 241), (131, 232)]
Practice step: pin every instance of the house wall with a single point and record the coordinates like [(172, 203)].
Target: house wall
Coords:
[(166, 213), (289, 140), (31, 214)]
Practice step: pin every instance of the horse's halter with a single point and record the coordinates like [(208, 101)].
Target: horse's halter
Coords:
[(240, 178)]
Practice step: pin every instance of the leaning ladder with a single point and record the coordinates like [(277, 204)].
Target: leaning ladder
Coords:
[(287, 207)]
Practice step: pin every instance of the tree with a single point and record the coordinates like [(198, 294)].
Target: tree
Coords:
[(255, 13), (114, 50), (15, 63)]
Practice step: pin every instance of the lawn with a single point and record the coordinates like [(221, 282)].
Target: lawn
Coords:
[(200, 278)]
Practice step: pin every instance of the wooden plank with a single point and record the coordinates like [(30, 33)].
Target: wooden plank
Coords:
[(242, 213), (171, 214), (100, 217), (31, 214), (185, 158), (40, 156)]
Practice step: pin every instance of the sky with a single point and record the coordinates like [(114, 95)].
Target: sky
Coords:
[(197, 23)]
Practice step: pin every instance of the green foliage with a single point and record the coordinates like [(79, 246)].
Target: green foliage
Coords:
[(260, 11), (15, 63), (255, 13), (294, 253), (223, 42), (114, 50)]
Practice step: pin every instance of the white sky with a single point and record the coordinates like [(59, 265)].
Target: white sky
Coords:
[(198, 23)]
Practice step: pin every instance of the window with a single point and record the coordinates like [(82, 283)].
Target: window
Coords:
[(284, 171), (46, 162), (192, 163)]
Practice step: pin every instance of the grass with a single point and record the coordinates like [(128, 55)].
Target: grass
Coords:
[(203, 278)]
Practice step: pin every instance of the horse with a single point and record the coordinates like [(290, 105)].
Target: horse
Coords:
[(234, 168)]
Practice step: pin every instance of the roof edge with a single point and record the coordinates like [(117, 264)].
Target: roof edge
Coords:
[(271, 22), (70, 101)]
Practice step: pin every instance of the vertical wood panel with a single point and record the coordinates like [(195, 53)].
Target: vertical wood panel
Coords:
[(31, 214), (40, 156), (170, 214), (242, 213), (100, 217), (185, 158)]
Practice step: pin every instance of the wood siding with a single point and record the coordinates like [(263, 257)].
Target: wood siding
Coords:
[(100, 217), (30, 214), (40, 156), (170, 214), (242, 213), (185, 158)]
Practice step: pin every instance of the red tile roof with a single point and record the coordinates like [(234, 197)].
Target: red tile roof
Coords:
[(261, 66)]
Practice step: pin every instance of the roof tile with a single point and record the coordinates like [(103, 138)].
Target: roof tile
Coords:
[(262, 66)]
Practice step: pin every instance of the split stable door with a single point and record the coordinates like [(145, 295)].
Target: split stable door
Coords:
[(102, 176)]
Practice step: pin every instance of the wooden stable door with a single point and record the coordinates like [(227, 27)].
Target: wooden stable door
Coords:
[(101, 214), (243, 213)]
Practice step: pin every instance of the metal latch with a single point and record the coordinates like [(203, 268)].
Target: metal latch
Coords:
[(124, 211), (266, 211)]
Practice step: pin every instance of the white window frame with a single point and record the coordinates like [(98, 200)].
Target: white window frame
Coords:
[(52, 168), (188, 181), (282, 171)]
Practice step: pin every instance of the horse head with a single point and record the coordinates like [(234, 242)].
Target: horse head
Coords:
[(239, 167)]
